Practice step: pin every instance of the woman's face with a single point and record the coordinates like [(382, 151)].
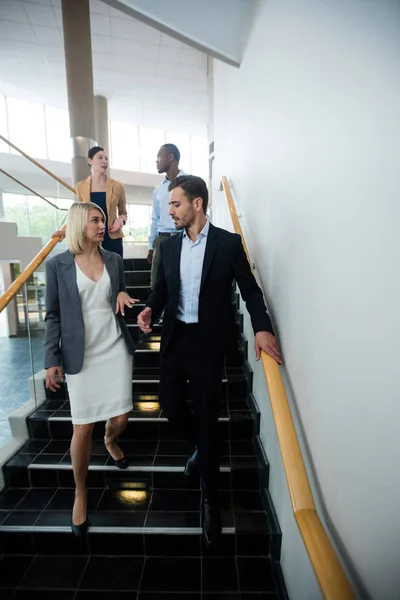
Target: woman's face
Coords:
[(99, 162), (95, 226)]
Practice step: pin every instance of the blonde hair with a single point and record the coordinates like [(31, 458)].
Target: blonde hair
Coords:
[(77, 219)]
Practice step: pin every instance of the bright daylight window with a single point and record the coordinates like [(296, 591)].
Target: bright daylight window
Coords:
[(26, 127), (58, 134), (199, 156), (138, 225), (124, 146), (150, 141), (3, 125)]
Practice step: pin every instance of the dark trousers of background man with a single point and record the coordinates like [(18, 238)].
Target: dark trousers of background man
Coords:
[(185, 361), (155, 263)]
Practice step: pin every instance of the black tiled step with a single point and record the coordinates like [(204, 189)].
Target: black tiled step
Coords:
[(140, 292), (136, 264), (239, 428), (133, 278)]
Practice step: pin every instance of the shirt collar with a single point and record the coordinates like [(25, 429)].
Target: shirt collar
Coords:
[(165, 180), (203, 232)]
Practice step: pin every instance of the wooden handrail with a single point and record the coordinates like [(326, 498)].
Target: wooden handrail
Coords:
[(28, 271), (35, 162), (328, 570)]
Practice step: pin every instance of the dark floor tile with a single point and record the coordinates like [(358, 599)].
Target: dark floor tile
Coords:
[(139, 448), (113, 544), (64, 499), (176, 500), (38, 429), (170, 596), (20, 518), (112, 573), (62, 572), (225, 500), (12, 569), (124, 500), (47, 459), (226, 546), (43, 595), (253, 544), (170, 461), (36, 499), (7, 594), (245, 480), (10, 498), (164, 480), (223, 596), (257, 596), (98, 447), (60, 430), (247, 501), (245, 462), (34, 446), (173, 545), (140, 460), (167, 448), (219, 575), (60, 544), (243, 448), (255, 575), (53, 518), (173, 520), (58, 447), (43, 478), (17, 477), (102, 595), (118, 519), (16, 542), (251, 522), (174, 574)]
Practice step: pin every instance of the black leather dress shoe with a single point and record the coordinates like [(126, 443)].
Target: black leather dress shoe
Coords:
[(212, 526), (80, 531), (192, 464)]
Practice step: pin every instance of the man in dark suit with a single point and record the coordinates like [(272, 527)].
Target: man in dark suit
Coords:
[(194, 287)]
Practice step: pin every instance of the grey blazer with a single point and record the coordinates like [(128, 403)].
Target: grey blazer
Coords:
[(65, 329)]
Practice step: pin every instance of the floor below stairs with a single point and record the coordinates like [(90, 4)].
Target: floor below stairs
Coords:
[(145, 539)]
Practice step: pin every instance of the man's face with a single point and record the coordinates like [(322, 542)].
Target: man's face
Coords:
[(163, 161), (181, 209)]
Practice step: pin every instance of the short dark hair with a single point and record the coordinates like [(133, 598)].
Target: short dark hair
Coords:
[(172, 149), (193, 187), (93, 151)]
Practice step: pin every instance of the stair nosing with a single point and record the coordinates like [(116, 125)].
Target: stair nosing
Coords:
[(131, 468), (124, 530), (137, 419)]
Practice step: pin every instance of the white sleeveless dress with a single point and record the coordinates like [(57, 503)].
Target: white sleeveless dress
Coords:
[(103, 387)]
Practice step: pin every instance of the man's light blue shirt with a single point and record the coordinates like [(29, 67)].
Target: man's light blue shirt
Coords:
[(192, 259), (161, 221)]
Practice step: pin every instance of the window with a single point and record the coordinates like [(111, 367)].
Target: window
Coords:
[(138, 225), (26, 127), (15, 211), (150, 141), (199, 156), (124, 146), (183, 143), (3, 125), (42, 218), (58, 134)]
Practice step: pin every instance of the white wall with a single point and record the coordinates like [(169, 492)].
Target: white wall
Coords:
[(308, 129)]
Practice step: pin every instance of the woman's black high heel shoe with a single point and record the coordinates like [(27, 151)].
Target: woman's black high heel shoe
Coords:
[(80, 531), (121, 463)]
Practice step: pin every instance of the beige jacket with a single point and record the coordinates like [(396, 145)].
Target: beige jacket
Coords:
[(115, 201)]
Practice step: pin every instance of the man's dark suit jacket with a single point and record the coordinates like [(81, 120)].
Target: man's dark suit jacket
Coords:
[(224, 261)]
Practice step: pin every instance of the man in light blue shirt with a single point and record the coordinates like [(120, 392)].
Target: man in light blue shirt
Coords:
[(162, 225)]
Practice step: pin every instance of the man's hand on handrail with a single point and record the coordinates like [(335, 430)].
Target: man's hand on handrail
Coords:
[(267, 342)]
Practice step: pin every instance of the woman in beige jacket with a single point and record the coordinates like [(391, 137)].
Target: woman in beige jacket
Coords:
[(106, 193)]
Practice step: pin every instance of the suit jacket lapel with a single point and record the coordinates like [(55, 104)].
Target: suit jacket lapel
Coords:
[(109, 196), (69, 266), (112, 274), (176, 266), (211, 246), (86, 189)]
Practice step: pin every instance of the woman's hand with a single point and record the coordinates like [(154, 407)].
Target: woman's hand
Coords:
[(61, 233), (53, 374), (117, 225), (124, 300)]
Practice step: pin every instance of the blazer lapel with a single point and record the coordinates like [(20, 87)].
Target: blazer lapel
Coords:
[(176, 266), (86, 189), (211, 246), (69, 266), (107, 258), (109, 196)]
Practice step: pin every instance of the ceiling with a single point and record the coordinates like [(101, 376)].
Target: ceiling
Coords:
[(148, 77)]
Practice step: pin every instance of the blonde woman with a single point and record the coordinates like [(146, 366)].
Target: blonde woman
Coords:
[(88, 340), (107, 193)]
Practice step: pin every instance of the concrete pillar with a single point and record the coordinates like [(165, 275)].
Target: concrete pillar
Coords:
[(79, 69), (101, 122)]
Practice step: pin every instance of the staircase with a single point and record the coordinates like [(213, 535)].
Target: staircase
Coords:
[(145, 539)]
